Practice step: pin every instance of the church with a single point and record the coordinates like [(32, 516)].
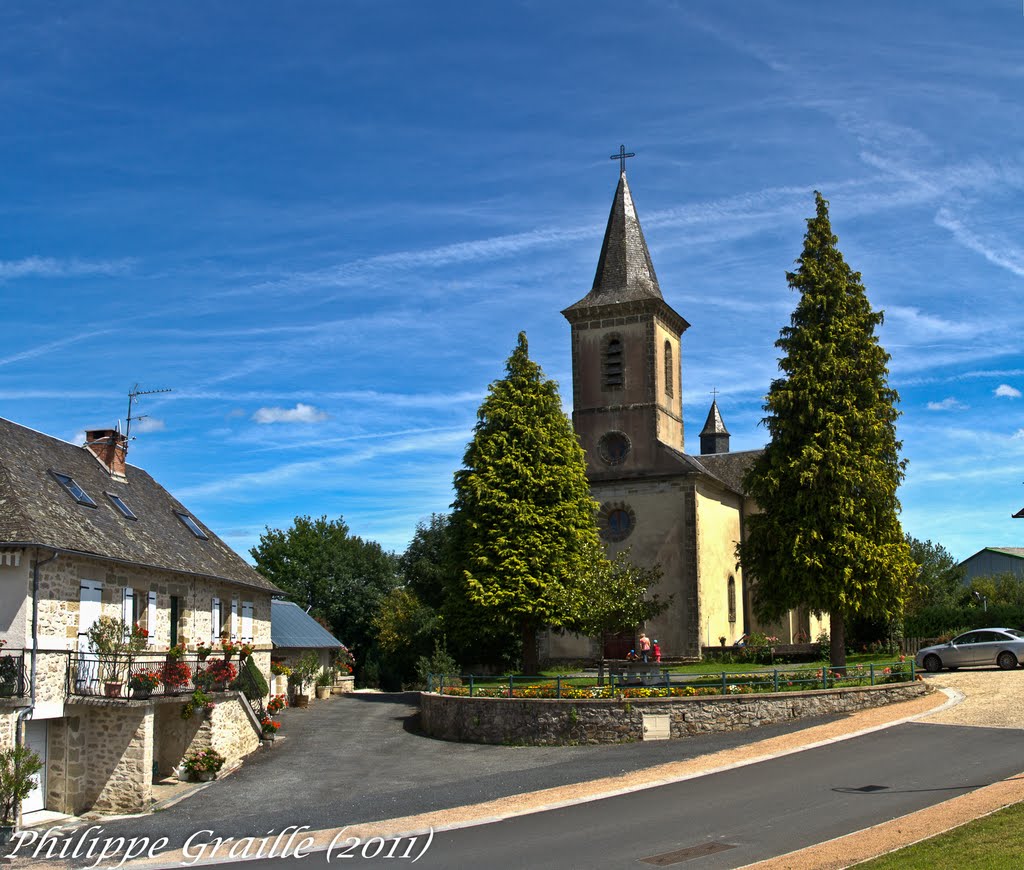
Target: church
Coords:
[(684, 512)]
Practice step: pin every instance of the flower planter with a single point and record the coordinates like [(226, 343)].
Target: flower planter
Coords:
[(6, 834), (300, 701), (8, 690), (112, 689), (141, 694), (323, 692), (204, 775)]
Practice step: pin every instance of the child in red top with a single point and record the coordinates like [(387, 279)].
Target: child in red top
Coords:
[(656, 650)]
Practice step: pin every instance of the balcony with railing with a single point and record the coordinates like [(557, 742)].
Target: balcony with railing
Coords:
[(142, 676), (12, 673)]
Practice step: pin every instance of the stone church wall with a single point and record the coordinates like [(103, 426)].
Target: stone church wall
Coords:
[(718, 531)]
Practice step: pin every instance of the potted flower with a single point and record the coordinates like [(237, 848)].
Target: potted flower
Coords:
[(199, 701), (344, 661), (204, 764), (175, 676), (245, 650), (220, 672), (302, 676), (18, 768), (276, 704), (228, 647), (323, 683), (114, 642), (142, 684), (269, 728), (203, 651)]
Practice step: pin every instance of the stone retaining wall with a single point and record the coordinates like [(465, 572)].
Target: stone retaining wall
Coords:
[(549, 722)]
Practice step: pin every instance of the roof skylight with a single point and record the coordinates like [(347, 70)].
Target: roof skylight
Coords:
[(121, 506), (192, 525), (73, 489)]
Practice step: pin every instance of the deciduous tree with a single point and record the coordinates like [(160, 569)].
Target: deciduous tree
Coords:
[(828, 535), (341, 577)]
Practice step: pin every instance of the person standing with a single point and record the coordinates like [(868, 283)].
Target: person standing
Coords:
[(645, 647), (656, 649)]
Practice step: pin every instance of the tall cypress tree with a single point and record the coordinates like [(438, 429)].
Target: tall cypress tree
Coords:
[(829, 535), (524, 520)]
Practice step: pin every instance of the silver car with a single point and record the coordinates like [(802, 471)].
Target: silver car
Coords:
[(983, 646)]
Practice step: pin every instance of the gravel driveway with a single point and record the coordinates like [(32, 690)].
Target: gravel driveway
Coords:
[(994, 697)]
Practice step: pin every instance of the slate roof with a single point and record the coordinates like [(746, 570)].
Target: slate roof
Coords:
[(730, 468), (714, 425), (625, 273), (292, 627), (36, 509)]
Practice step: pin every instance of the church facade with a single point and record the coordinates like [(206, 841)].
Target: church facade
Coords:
[(680, 511)]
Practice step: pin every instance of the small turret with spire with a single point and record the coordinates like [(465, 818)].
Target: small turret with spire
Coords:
[(714, 437)]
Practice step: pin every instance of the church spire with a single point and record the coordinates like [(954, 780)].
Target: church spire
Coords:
[(714, 437), (624, 269)]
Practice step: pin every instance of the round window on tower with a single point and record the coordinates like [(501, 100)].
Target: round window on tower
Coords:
[(616, 521), (613, 447)]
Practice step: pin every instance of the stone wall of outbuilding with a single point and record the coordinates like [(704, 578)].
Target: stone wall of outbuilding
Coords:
[(549, 722)]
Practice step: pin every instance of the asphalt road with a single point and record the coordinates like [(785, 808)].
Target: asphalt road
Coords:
[(744, 815), (360, 759)]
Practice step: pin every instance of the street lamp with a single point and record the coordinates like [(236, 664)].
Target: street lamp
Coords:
[(982, 599)]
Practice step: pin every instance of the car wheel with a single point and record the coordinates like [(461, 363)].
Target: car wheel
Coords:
[(932, 664), (1007, 661)]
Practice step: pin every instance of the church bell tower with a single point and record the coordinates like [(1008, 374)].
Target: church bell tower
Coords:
[(627, 388)]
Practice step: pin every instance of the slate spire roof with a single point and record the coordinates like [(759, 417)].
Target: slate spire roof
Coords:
[(714, 424), (35, 509), (625, 272)]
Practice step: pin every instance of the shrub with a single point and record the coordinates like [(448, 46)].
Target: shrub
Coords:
[(250, 680), (204, 760), (440, 662), (18, 766)]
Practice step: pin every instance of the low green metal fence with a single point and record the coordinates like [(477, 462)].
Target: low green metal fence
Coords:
[(658, 682)]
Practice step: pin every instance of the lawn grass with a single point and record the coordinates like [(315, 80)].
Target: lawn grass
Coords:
[(995, 842)]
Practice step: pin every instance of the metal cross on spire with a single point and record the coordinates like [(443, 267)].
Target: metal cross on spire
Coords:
[(714, 394), (621, 157)]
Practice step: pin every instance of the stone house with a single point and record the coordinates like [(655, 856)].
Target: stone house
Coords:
[(680, 510), (82, 535)]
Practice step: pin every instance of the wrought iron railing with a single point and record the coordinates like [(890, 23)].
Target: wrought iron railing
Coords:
[(12, 673), (146, 675)]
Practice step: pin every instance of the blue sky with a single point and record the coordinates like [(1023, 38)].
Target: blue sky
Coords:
[(324, 224)]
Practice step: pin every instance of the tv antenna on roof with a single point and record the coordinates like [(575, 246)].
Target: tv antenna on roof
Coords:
[(133, 397)]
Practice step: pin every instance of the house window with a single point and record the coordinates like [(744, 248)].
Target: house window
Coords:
[(616, 521), (612, 374), (175, 615), (732, 599), (191, 525), (121, 506), (669, 373), (73, 489)]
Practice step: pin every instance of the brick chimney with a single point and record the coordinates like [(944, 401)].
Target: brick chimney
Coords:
[(110, 447)]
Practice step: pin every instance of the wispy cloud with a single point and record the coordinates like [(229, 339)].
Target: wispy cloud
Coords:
[(1005, 391), (51, 267), (43, 349), (947, 404), (150, 424), (301, 413), (998, 251)]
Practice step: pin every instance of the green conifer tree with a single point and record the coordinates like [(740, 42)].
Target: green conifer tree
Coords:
[(524, 520), (829, 535)]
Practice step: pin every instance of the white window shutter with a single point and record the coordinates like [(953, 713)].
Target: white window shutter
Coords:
[(215, 620), (247, 621), (234, 619), (128, 610), (151, 618)]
